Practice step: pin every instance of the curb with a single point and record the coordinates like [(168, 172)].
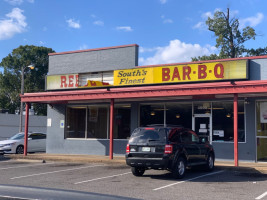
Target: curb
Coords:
[(64, 158)]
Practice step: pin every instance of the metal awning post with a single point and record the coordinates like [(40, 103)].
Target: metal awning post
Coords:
[(236, 129), (111, 119), (26, 129)]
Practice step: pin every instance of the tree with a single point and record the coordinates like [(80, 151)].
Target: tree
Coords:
[(257, 52), (229, 38), (10, 78), (210, 57)]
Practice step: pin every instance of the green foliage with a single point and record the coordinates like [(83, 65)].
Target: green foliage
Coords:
[(210, 57), (34, 80), (257, 52), (229, 38)]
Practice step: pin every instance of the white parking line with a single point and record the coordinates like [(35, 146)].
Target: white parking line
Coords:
[(64, 170), (20, 166), (261, 196), (95, 179), (188, 180), (10, 197)]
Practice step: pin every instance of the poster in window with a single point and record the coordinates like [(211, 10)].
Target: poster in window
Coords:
[(263, 112), (93, 114)]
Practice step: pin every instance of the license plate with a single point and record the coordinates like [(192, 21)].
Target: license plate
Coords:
[(146, 149)]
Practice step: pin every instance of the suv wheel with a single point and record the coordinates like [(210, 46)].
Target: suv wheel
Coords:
[(179, 168), (138, 171), (210, 162)]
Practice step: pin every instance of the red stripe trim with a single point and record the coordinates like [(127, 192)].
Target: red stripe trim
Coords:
[(97, 49)]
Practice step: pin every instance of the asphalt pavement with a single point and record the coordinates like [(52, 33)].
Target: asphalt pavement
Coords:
[(260, 167)]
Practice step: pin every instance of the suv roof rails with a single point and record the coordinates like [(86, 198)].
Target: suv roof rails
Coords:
[(163, 125)]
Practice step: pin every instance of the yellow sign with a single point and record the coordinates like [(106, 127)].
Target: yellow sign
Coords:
[(69, 81), (214, 71), (134, 76)]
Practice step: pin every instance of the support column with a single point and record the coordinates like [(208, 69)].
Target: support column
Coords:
[(26, 129), (111, 120), (236, 129)]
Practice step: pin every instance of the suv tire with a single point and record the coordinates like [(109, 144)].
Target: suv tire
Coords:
[(179, 168), (210, 163), (138, 171)]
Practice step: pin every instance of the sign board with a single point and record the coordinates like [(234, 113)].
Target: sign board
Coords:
[(214, 71), (62, 123)]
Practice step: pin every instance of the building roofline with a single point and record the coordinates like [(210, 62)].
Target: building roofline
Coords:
[(207, 61), (96, 49)]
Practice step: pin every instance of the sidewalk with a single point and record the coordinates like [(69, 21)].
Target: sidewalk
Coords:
[(260, 167)]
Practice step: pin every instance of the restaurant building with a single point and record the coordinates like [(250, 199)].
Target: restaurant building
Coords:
[(96, 97)]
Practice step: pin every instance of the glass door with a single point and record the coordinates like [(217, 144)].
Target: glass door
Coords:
[(261, 138), (202, 126), (202, 121)]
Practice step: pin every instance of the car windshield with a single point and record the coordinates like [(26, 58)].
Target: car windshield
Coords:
[(143, 135), (18, 136)]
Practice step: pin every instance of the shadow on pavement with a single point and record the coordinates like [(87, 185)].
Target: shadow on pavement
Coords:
[(3, 158), (225, 174)]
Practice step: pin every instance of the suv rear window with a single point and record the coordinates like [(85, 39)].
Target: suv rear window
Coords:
[(144, 135)]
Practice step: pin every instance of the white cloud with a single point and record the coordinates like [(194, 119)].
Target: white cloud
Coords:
[(42, 43), (99, 23), (124, 28), (84, 46), (14, 2), (251, 21), (200, 26), (93, 16), (73, 24), (15, 22), (177, 51), (17, 2), (163, 1), (206, 15), (166, 21)]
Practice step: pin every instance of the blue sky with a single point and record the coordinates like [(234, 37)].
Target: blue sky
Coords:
[(167, 31)]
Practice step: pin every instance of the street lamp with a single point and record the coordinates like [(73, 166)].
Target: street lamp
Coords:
[(22, 92)]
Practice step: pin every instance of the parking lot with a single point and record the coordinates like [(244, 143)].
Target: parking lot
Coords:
[(116, 180)]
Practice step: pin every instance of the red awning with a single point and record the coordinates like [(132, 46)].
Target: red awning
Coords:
[(256, 88)]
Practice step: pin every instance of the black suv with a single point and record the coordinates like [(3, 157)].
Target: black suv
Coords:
[(171, 148)]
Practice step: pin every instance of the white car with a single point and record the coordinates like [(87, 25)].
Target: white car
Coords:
[(15, 144)]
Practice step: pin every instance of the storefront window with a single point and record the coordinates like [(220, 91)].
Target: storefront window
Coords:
[(97, 121), (179, 114), (151, 114), (223, 124), (122, 121), (75, 122), (86, 122), (93, 121)]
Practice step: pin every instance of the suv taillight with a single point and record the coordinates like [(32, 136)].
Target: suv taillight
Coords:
[(168, 149), (128, 148)]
